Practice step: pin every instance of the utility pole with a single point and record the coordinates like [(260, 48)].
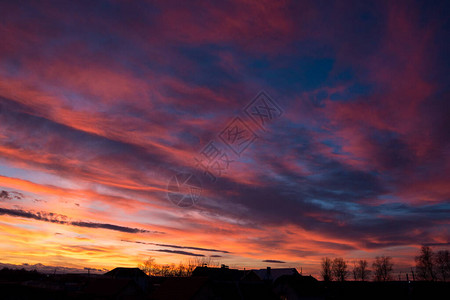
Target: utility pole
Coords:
[(89, 271)]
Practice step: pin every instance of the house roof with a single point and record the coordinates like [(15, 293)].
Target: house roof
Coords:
[(107, 287), (181, 288), (224, 274), (302, 285), (273, 274), (126, 273)]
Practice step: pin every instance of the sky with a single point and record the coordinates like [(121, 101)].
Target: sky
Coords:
[(258, 133)]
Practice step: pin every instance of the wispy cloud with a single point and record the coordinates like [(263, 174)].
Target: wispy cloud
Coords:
[(178, 247), (177, 252), (62, 219), (274, 261)]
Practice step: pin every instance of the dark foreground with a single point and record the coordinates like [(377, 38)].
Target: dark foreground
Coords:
[(205, 283)]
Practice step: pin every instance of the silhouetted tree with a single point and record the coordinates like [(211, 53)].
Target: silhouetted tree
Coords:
[(18, 274), (355, 271), (205, 261), (383, 267), (360, 270), (326, 272), (149, 267), (364, 270), (167, 270), (443, 264), (189, 268), (425, 268), (339, 269)]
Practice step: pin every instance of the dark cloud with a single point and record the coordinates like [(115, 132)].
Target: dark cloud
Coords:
[(178, 247), (273, 261), (78, 248), (40, 216), (438, 244), (61, 219), (330, 205), (39, 200), (5, 195), (110, 227), (178, 252)]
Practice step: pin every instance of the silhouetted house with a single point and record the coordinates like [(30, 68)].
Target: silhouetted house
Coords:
[(135, 274), (225, 283), (112, 288), (261, 290), (222, 274), (298, 287), (250, 276), (204, 288), (184, 288), (271, 274)]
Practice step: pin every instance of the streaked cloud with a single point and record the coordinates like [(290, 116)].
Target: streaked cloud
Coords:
[(61, 219), (274, 261), (180, 252), (179, 247)]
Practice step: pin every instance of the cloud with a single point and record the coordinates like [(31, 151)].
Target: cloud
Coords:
[(62, 219), (179, 247), (110, 227), (4, 195), (438, 244), (177, 252), (40, 216), (273, 261)]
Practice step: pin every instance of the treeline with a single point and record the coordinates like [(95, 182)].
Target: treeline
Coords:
[(430, 266), (337, 269), (433, 266), (18, 274), (183, 269)]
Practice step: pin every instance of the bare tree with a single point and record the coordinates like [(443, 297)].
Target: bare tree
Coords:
[(167, 270), (326, 272), (339, 269), (355, 271), (442, 259), (425, 267), (383, 267), (190, 267), (363, 271), (149, 267), (205, 261)]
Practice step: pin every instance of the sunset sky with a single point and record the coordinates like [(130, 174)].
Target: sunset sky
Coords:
[(102, 103)]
